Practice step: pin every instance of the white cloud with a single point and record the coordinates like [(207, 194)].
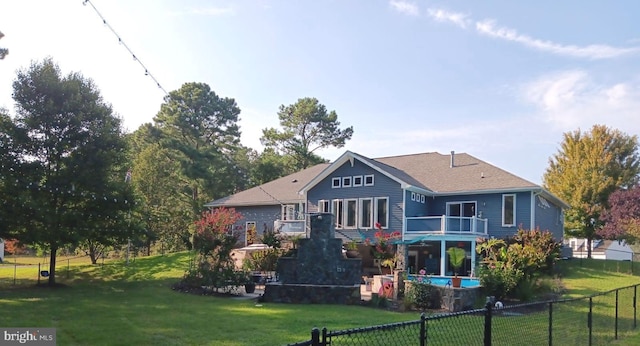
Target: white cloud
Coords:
[(594, 51), (569, 100), (405, 7), (440, 15), (489, 28)]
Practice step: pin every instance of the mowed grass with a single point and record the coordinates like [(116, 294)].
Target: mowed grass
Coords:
[(119, 304)]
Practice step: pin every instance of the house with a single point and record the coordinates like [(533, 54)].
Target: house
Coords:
[(601, 249), (1, 250), (435, 200)]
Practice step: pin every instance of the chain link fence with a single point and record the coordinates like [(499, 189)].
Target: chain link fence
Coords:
[(593, 320)]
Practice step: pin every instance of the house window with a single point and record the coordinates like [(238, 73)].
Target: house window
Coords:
[(422, 198), (382, 211), (335, 183), (366, 213), (368, 180), (288, 212), (346, 181), (508, 210), (338, 212), (351, 213), (413, 196), (324, 206), (357, 181), (464, 209), (250, 232)]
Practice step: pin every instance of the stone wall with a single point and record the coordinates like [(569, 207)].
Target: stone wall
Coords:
[(454, 299), (312, 294)]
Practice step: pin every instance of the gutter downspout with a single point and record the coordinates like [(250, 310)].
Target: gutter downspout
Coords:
[(533, 211)]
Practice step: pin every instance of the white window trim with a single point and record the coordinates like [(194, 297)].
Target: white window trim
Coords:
[(288, 212), (345, 180), (413, 196), (346, 213), (372, 180), (422, 199), (361, 213), (321, 203), (333, 183), (355, 177), (514, 210), (335, 209), (375, 211)]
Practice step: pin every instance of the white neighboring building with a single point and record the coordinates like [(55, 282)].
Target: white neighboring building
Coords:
[(1, 250), (601, 249)]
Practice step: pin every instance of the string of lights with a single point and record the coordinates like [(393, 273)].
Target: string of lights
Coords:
[(120, 41)]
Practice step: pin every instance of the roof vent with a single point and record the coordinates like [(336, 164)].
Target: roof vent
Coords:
[(452, 154), (481, 174)]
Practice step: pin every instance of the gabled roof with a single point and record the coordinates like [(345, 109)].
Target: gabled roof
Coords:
[(279, 191), (431, 173)]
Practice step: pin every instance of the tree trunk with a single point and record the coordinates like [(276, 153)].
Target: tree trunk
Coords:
[(589, 242), (92, 254), (52, 266)]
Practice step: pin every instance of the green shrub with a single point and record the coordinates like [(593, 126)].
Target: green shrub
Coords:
[(499, 279)]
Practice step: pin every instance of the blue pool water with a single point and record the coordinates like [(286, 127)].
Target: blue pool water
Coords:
[(446, 281)]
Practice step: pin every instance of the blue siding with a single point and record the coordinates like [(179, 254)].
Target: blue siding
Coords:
[(549, 218), (416, 207), (383, 187), (490, 206), (262, 215)]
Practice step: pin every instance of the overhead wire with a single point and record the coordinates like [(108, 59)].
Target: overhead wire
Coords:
[(121, 41)]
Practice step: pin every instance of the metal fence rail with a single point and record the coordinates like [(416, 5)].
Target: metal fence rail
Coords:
[(592, 320)]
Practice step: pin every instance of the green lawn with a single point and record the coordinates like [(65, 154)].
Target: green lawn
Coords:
[(122, 305), (117, 304)]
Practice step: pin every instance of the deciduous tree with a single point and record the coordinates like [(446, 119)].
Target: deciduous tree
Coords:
[(588, 167), (70, 152), (306, 127), (622, 219)]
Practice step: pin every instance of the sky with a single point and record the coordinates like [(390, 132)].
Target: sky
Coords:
[(499, 80)]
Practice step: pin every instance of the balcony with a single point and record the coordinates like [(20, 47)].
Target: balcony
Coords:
[(290, 227), (446, 225)]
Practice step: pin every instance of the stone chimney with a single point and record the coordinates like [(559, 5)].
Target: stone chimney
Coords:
[(453, 153)]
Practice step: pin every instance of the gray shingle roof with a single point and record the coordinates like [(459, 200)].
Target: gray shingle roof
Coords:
[(282, 190), (433, 171), (428, 171)]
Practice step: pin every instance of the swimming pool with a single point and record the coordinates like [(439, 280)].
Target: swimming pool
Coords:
[(445, 281)]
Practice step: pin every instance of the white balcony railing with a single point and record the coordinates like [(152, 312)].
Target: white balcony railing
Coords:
[(446, 225), (290, 227)]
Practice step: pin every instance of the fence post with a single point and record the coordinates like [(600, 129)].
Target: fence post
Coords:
[(324, 337), (616, 323), (315, 336), (487, 323), (550, 323), (38, 273), (635, 300), (589, 320), (423, 329)]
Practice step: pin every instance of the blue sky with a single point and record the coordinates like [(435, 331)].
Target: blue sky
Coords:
[(500, 80)]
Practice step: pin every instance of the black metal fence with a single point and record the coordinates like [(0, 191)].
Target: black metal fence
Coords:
[(593, 320)]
